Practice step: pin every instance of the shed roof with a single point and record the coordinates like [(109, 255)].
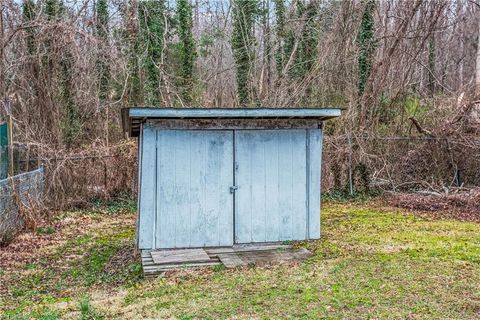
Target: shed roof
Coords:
[(133, 117)]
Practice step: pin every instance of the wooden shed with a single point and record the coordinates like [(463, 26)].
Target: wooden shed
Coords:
[(220, 177)]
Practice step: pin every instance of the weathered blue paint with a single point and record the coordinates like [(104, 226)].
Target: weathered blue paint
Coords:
[(139, 185), (3, 150), (194, 174), (148, 194), (225, 184), (271, 200), (314, 160)]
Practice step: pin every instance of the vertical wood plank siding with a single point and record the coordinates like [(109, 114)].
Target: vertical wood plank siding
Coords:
[(271, 200), (315, 138), (148, 189), (185, 180), (139, 186), (195, 172)]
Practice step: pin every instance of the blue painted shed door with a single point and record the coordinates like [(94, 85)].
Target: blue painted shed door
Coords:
[(271, 175), (194, 176)]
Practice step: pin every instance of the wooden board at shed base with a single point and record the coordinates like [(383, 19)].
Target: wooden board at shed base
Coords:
[(180, 256), (174, 260), (262, 257), (158, 262)]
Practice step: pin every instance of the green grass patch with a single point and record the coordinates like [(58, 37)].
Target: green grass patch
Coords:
[(87, 312), (122, 204), (75, 267), (369, 263), (46, 230)]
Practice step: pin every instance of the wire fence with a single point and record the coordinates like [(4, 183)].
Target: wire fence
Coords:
[(362, 163), (20, 196), (351, 164)]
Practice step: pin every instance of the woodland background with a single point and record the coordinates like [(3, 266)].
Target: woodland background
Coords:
[(406, 72)]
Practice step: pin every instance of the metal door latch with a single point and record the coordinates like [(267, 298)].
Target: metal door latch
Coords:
[(233, 188)]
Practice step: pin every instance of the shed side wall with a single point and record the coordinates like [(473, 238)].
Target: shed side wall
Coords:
[(148, 193), (314, 159), (139, 189)]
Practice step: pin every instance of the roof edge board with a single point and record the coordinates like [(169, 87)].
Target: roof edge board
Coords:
[(233, 113)]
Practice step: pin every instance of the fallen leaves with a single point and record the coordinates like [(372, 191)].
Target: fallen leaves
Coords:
[(464, 205)]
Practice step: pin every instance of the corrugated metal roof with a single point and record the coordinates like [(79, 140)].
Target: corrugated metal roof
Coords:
[(133, 117)]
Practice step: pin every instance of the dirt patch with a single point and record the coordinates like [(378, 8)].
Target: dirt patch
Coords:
[(462, 205)]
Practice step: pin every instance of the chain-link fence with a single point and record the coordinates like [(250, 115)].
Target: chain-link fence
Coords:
[(75, 178), (359, 163), (351, 164), (20, 195)]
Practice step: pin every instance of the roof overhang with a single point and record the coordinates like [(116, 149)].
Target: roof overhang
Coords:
[(133, 117)]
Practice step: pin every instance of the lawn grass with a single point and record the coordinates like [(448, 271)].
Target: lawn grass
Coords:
[(370, 263)]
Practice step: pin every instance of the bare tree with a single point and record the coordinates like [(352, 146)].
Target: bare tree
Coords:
[(477, 65), (42, 56)]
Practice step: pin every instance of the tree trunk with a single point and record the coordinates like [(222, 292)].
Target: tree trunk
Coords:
[(477, 65), (2, 68)]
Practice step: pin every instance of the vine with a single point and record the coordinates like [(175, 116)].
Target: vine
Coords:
[(244, 12), (280, 33), (187, 51), (152, 28), (102, 33), (367, 43)]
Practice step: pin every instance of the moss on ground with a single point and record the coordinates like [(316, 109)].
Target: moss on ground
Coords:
[(370, 263)]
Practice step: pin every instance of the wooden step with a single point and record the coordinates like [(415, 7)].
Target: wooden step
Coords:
[(156, 263), (231, 260), (180, 256)]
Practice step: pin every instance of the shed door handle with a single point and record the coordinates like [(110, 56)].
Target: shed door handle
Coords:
[(233, 188)]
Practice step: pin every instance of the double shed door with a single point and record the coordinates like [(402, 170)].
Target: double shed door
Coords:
[(219, 187)]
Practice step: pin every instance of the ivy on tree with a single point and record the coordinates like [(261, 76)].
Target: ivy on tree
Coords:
[(431, 63), (306, 54), (103, 68), (187, 52), (152, 28), (134, 92), (28, 11), (309, 40), (367, 43), (280, 33), (305, 51), (71, 122), (54, 9), (244, 13), (71, 118)]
